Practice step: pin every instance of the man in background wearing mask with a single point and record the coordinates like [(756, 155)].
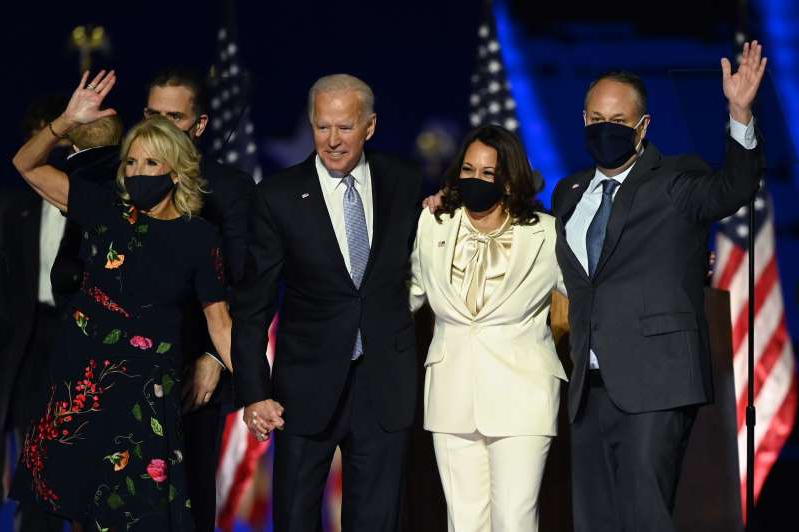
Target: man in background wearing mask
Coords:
[(632, 246), (180, 95)]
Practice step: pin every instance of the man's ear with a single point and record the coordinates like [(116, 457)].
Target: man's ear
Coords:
[(371, 125), (200, 125)]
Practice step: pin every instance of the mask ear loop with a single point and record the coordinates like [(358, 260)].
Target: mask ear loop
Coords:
[(643, 133)]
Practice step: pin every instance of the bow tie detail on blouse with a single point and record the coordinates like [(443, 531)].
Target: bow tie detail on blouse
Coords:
[(480, 262)]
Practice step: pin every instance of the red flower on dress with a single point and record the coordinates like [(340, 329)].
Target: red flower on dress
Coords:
[(157, 470), (130, 214), (141, 342), (102, 298)]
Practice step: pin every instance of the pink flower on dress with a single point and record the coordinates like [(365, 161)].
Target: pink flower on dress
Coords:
[(141, 342), (157, 470)]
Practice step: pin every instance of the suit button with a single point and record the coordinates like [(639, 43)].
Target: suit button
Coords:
[(595, 327)]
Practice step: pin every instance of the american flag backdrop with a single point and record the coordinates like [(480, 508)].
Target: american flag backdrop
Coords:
[(233, 142), (491, 100), (775, 382), (231, 131)]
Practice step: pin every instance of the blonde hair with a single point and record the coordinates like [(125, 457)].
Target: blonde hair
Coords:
[(164, 141), (106, 131), (343, 82)]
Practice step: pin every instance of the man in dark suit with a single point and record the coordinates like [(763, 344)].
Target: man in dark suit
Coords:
[(337, 230), (181, 96), (632, 246), (31, 231)]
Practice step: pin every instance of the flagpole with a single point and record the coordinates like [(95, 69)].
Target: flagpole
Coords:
[(741, 37)]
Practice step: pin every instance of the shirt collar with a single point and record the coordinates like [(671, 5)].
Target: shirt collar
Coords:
[(358, 173), (599, 177)]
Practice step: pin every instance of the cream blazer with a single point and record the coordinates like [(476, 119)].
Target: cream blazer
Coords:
[(496, 372)]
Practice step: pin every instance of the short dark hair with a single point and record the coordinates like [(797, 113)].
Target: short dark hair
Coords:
[(513, 175), (184, 77), (625, 77)]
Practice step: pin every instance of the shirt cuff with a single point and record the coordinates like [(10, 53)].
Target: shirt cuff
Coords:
[(744, 134), (218, 360)]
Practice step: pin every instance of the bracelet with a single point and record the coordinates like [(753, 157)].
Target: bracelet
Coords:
[(56, 135), (217, 360)]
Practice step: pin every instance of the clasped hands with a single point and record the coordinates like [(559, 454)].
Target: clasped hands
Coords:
[(263, 417)]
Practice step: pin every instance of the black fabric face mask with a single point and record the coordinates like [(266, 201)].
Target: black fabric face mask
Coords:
[(146, 191), (478, 195), (611, 145)]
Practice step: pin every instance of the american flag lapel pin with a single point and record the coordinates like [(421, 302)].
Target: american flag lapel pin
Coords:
[(305, 195)]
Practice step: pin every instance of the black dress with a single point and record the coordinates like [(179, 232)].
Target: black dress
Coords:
[(107, 450)]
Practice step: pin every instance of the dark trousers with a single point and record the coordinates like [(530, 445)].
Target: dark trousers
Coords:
[(28, 400), (202, 431), (625, 467), (373, 463)]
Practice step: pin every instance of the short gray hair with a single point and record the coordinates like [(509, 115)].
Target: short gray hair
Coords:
[(343, 82)]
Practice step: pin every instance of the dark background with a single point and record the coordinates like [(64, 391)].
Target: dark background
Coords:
[(418, 56)]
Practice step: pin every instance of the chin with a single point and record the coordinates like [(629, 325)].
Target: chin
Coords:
[(337, 165)]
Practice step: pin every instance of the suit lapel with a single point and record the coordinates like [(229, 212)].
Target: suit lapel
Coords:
[(317, 214), (382, 200), (448, 233), (623, 203), (573, 196), (526, 242)]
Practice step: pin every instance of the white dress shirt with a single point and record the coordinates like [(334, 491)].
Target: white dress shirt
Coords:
[(333, 189), (584, 212), (50, 234)]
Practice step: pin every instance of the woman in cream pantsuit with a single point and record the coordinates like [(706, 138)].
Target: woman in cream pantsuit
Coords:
[(485, 261)]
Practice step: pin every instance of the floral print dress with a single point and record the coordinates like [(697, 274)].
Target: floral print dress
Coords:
[(106, 449)]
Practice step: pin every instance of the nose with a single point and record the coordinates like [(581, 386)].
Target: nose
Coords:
[(335, 139)]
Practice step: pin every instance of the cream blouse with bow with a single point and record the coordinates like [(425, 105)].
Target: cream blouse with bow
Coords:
[(480, 262)]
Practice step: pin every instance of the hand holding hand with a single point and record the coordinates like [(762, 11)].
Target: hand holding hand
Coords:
[(741, 88), (263, 417)]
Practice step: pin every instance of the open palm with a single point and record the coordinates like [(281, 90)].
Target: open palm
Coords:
[(741, 87), (84, 105)]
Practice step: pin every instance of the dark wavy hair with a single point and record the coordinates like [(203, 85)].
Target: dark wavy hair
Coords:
[(513, 176)]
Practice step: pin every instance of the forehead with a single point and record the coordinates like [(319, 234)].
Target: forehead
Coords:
[(139, 148), (345, 103), (479, 153), (610, 97), (170, 99)]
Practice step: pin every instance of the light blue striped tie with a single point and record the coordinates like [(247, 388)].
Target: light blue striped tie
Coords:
[(358, 243)]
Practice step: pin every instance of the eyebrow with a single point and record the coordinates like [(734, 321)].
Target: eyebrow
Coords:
[(594, 114)]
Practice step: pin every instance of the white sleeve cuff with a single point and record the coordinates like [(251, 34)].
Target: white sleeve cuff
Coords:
[(744, 134)]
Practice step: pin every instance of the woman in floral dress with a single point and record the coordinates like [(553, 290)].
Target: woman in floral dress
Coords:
[(106, 449)]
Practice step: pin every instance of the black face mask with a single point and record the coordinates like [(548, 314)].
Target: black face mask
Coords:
[(147, 191), (478, 195), (611, 145)]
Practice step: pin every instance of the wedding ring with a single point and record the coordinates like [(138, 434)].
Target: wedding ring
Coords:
[(90, 86)]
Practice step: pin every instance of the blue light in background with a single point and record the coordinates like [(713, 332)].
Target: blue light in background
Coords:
[(533, 127), (780, 25)]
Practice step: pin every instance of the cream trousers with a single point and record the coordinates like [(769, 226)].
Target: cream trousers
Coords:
[(491, 484)]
